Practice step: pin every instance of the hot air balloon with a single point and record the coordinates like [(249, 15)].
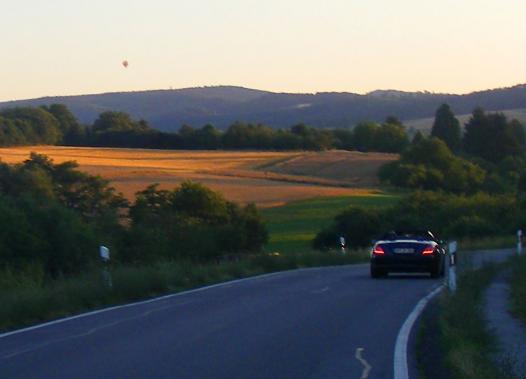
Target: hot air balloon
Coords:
[(125, 63)]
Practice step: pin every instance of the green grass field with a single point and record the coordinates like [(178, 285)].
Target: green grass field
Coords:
[(293, 226)]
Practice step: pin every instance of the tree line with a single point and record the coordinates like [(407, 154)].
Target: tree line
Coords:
[(469, 183), (487, 136), (489, 156), (57, 125), (448, 215), (54, 217)]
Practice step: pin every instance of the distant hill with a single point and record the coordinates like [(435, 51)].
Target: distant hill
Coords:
[(222, 105)]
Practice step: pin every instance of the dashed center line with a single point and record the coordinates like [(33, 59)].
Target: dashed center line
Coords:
[(366, 366), (325, 289)]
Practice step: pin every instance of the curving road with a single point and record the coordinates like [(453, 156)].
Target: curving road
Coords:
[(330, 322)]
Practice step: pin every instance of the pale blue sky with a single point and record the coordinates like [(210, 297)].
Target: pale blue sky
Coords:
[(60, 47)]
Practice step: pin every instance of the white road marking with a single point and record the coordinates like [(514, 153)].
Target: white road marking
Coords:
[(165, 297), (366, 366), (325, 289), (400, 355)]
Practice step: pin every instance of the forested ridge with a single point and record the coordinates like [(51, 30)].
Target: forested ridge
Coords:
[(221, 106)]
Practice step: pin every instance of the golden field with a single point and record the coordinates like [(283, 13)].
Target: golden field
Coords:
[(266, 178)]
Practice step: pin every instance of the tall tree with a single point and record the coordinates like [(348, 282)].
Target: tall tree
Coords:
[(208, 137), (446, 127), (365, 136), (477, 133), (113, 121), (492, 137), (37, 125), (391, 137), (72, 132)]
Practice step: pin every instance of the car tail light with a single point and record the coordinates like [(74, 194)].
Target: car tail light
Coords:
[(428, 250), (378, 250)]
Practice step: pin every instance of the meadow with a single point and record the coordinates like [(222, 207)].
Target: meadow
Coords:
[(265, 178), (292, 227)]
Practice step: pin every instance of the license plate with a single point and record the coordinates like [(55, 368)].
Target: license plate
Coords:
[(404, 250)]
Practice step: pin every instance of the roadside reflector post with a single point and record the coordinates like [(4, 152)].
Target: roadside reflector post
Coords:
[(519, 242), (451, 264), (342, 244), (104, 253)]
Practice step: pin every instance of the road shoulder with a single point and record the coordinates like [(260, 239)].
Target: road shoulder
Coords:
[(508, 331)]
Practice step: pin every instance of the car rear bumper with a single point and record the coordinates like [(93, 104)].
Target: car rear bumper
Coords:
[(420, 264)]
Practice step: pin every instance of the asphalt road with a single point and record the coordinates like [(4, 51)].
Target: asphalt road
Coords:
[(298, 324)]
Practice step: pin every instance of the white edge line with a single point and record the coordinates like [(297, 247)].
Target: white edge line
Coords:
[(400, 355), (164, 297)]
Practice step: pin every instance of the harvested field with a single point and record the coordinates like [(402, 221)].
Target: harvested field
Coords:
[(346, 167), (266, 178)]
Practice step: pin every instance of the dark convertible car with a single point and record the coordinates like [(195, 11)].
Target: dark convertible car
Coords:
[(416, 251)]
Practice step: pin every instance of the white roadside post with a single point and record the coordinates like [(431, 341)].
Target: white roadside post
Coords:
[(342, 243), (452, 266), (104, 253), (519, 242)]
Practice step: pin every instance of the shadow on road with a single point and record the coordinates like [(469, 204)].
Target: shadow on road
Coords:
[(408, 276)]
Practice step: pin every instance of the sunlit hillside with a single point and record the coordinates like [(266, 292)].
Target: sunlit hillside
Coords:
[(266, 178)]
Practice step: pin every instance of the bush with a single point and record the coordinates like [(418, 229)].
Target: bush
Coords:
[(191, 222), (54, 217), (429, 165), (356, 224), (472, 226), (450, 216), (49, 236)]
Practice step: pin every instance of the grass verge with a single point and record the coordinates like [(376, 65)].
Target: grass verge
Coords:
[(518, 288), (485, 243), (26, 302), (465, 343)]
